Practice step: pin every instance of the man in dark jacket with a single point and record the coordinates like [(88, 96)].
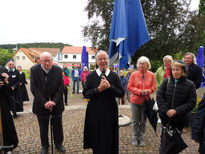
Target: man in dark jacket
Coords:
[(198, 127), (47, 88), (194, 70), (194, 74)]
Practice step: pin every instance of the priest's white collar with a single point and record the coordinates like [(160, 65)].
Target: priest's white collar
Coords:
[(107, 72)]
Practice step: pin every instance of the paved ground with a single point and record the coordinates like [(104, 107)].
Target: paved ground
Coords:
[(73, 123)]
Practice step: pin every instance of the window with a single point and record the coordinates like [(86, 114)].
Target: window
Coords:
[(17, 57), (23, 57), (74, 56), (93, 57), (66, 56)]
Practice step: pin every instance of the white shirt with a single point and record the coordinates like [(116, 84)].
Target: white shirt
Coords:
[(107, 72)]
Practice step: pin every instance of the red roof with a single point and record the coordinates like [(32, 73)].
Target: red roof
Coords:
[(52, 51), (77, 50), (33, 53)]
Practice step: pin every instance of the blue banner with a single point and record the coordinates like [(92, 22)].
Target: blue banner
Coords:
[(128, 31)]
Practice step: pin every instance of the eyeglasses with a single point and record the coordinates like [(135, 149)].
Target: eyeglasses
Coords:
[(176, 70), (101, 59)]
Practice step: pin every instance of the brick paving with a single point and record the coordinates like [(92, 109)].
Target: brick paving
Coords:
[(73, 124)]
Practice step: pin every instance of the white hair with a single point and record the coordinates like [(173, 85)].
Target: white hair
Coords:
[(143, 59), (45, 54), (168, 57), (100, 52)]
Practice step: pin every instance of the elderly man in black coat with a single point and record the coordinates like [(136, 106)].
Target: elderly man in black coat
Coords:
[(194, 73), (47, 87)]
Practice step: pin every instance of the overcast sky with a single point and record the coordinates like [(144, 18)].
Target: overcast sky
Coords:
[(29, 21)]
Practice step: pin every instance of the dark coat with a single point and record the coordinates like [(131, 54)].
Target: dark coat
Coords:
[(198, 126), (195, 74), (9, 131), (22, 88), (44, 91), (14, 80), (180, 96), (101, 120)]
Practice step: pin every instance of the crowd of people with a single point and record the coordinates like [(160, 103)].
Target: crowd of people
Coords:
[(176, 83)]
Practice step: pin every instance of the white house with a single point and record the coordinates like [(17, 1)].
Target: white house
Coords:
[(26, 57), (72, 55)]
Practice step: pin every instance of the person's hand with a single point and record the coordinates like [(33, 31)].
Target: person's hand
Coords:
[(49, 105), (6, 77), (171, 113), (145, 92), (104, 84), (20, 84)]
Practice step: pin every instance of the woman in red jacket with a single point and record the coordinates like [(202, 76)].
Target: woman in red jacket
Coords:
[(66, 84), (141, 84), (84, 75)]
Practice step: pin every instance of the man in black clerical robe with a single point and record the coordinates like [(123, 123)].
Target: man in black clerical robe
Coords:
[(14, 80)]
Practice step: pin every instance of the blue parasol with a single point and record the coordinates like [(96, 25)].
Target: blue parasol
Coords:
[(200, 62), (128, 31), (84, 58)]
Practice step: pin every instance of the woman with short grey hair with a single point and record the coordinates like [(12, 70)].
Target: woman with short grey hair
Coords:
[(141, 84)]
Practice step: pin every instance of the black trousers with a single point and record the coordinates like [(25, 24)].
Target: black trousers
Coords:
[(57, 130), (65, 92)]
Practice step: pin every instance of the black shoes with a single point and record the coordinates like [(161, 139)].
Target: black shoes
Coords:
[(60, 148), (44, 150)]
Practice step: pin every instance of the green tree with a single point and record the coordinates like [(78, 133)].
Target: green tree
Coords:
[(202, 8), (5, 55), (34, 45), (100, 14)]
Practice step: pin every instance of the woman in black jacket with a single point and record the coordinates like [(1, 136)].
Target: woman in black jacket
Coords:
[(176, 97)]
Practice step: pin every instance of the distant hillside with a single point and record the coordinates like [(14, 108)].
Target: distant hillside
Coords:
[(34, 45)]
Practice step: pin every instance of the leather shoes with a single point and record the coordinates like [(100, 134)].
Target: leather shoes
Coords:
[(60, 148), (44, 151)]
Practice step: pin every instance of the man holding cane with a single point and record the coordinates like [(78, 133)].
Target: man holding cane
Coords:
[(47, 88)]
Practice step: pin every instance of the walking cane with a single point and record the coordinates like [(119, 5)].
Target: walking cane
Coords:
[(51, 130)]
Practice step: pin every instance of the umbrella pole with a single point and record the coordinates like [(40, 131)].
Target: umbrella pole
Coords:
[(51, 130)]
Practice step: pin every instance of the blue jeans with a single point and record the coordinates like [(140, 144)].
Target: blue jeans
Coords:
[(74, 81)]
